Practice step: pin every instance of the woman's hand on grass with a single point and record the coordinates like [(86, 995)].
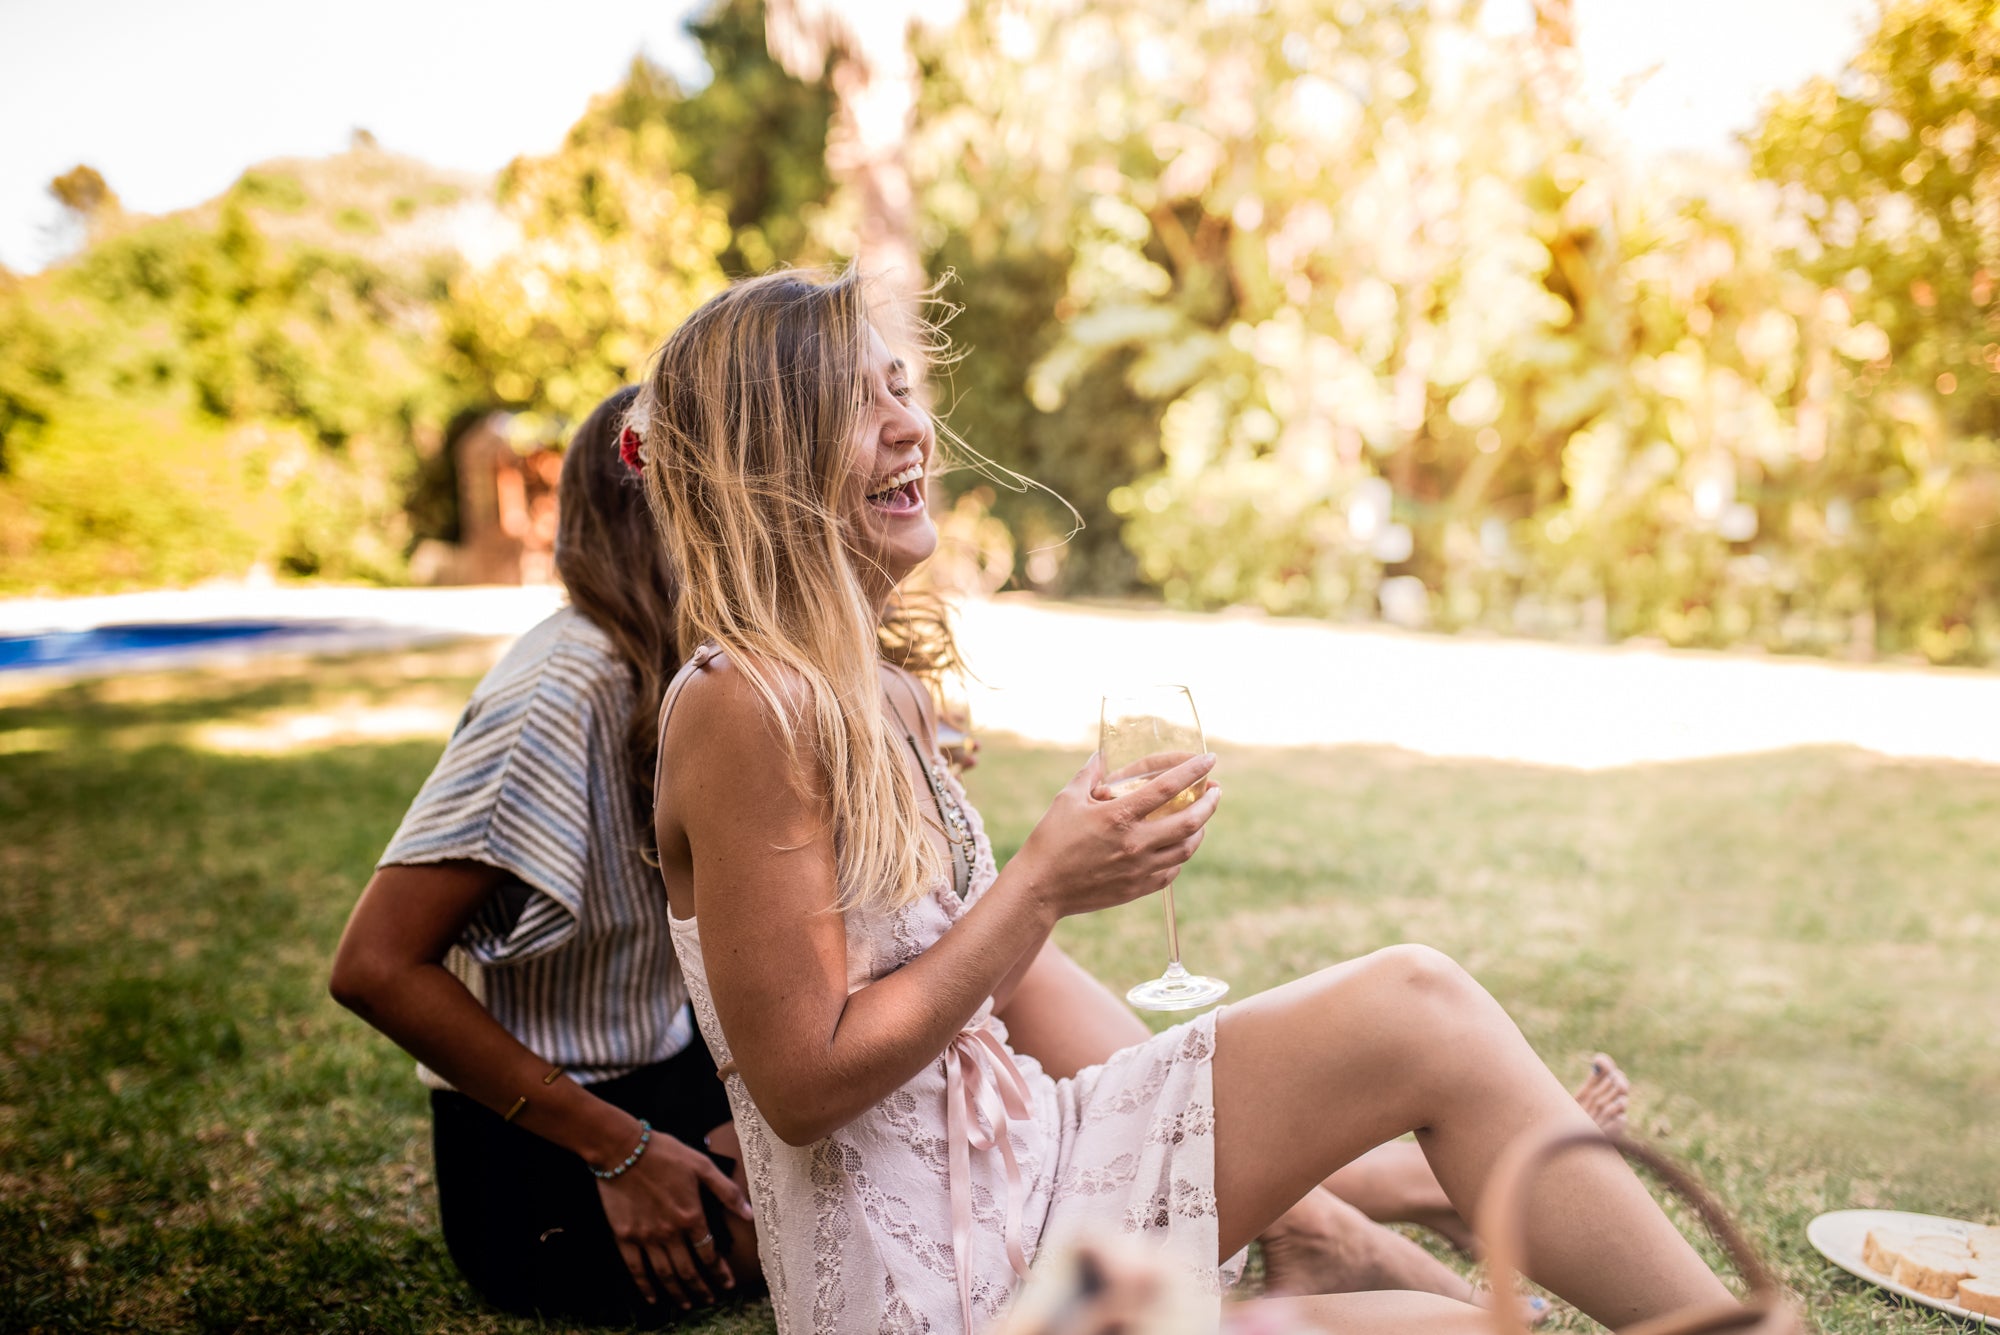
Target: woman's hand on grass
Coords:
[(655, 1212), (1091, 852)]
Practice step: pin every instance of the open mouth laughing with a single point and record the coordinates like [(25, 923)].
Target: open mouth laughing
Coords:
[(901, 492)]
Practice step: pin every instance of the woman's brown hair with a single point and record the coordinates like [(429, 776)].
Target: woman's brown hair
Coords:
[(609, 555)]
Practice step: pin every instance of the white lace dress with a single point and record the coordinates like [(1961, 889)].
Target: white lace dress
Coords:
[(856, 1231)]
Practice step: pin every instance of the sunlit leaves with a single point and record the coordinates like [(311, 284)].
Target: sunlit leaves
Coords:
[(613, 248), (1354, 246)]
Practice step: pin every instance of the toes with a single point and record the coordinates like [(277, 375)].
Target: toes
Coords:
[(1606, 1095), (1534, 1310)]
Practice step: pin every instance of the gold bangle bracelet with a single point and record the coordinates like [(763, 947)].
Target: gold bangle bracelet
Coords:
[(555, 1073)]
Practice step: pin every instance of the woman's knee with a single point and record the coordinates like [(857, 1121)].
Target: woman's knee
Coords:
[(1425, 987)]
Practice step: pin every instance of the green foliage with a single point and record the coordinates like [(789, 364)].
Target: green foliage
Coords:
[(755, 138), (1893, 170), (1334, 307), (107, 497), (279, 191), (1422, 345), (615, 248), (186, 400), (1101, 433)]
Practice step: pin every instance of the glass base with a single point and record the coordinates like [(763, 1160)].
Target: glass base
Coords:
[(1177, 990)]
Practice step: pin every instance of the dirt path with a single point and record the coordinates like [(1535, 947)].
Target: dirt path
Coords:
[(1272, 682), (1257, 681)]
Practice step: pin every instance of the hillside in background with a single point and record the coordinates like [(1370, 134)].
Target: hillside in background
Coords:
[(384, 207)]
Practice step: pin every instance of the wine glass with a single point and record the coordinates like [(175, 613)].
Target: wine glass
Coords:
[(1142, 733)]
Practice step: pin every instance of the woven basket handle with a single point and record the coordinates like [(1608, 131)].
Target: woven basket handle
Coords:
[(1502, 1222)]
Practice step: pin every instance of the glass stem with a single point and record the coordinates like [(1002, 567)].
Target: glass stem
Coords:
[(1173, 932)]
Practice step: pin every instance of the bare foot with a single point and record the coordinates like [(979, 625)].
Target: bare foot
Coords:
[(1325, 1245), (1606, 1095)]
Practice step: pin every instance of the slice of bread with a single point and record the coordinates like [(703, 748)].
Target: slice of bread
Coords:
[(1883, 1247), (1985, 1242), (1930, 1271), (1950, 1244), (1980, 1295)]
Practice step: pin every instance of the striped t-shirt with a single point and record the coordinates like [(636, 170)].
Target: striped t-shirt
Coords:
[(573, 957)]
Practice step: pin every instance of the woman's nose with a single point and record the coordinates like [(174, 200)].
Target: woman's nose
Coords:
[(908, 424)]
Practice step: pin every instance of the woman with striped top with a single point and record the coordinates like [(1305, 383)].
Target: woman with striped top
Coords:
[(514, 940)]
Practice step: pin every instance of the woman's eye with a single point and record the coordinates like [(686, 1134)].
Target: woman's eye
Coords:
[(900, 391)]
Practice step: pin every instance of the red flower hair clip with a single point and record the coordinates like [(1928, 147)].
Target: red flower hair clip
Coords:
[(628, 450)]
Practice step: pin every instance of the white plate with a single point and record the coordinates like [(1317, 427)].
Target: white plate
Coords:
[(1838, 1237)]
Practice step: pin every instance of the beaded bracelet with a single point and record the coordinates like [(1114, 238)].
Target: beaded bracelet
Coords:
[(645, 1135)]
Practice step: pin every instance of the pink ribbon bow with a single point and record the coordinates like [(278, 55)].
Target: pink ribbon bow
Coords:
[(983, 1089)]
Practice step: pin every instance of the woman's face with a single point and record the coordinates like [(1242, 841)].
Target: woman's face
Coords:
[(893, 442)]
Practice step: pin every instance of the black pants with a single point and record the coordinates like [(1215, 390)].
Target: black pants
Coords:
[(522, 1217)]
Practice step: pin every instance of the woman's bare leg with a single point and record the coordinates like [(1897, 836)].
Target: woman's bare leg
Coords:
[(1381, 1313), (1324, 1245), (1355, 1055), (1065, 1018), (1394, 1183)]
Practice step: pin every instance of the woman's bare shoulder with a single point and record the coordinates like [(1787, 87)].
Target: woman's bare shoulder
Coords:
[(723, 722)]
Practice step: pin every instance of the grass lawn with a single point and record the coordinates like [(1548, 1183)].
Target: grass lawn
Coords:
[(1792, 954)]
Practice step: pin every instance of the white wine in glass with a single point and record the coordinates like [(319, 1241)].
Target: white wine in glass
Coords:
[(1143, 733)]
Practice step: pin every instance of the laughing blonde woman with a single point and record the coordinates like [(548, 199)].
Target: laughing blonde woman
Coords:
[(847, 938)]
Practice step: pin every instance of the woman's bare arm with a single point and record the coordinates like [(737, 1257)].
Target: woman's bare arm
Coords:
[(389, 970), (1066, 1019), (759, 873)]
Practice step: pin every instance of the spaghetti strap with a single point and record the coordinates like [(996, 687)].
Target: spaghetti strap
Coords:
[(915, 699), (698, 660), (951, 817)]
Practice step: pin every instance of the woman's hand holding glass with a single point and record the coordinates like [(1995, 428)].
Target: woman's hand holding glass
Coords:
[(1141, 732), (1091, 852)]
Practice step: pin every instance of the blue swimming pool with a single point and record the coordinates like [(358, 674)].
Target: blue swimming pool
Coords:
[(56, 648)]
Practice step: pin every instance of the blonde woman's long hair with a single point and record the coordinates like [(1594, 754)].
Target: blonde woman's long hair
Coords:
[(748, 418)]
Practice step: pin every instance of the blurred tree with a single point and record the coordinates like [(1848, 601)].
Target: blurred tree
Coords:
[(615, 247), (862, 49), (755, 137), (184, 399), (1894, 169), (1421, 346), (83, 192), (1896, 166)]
